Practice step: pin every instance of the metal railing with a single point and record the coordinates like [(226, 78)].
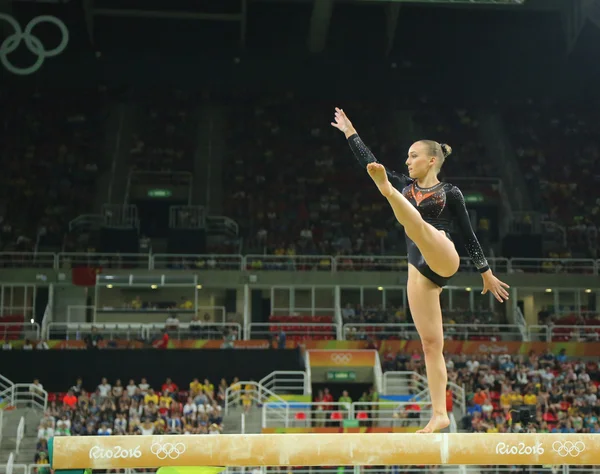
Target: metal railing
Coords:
[(197, 262), (121, 261), (284, 382), (352, 331), (20, 434), (324, 263), (19, 330), (192, 331), (139, 331), (22, 394), (415, 384), (10, 465), (572, 333), (254, 393), (308, 330), (300, 415)]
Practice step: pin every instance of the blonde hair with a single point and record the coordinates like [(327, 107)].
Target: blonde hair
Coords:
[(440, 150)]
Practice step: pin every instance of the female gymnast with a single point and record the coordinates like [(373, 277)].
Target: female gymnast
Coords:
[(426, 207)]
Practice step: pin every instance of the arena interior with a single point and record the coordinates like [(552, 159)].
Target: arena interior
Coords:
[(187, 247)]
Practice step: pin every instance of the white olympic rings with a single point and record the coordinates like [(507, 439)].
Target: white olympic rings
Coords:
[(341, 357), (167, 450), (568, 448), (33, 43)]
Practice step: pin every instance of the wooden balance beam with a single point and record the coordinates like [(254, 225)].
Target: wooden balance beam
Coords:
[(363, 449)]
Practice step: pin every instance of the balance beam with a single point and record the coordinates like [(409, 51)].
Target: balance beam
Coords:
[(363, 449)]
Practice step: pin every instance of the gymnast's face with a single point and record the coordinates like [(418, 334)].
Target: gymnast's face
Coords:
[(419, 162)]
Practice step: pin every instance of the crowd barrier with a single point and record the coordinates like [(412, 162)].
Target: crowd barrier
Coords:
[(319, 331), (324, 263)]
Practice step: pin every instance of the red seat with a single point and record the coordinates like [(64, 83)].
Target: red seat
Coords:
[(337, 415), (300, 416), (362, 415)]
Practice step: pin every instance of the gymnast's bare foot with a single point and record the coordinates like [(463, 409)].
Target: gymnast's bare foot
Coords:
[(437, 423), (378, 174)]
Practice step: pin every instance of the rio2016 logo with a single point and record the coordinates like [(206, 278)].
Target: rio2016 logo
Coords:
[(521, 448), (116, 452)]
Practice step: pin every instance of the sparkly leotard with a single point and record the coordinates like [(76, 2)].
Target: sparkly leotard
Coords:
[(439, 205)]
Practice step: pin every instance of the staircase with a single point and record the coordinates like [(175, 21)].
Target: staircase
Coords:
[(11, 419), (252, 421)]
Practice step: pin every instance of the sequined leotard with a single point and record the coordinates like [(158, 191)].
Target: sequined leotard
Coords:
[(439, 205)]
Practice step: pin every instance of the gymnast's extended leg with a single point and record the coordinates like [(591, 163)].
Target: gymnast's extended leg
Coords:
[(424, 301), (439, 252)]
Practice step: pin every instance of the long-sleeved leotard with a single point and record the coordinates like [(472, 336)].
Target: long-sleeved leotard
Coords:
[(440, 206)]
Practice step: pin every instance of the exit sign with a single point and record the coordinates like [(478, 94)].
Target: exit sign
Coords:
[(341, 375)]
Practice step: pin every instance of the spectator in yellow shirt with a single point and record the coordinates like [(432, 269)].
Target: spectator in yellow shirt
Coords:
[(195, 387), (166, 398), (209, 389), (151, 397), (530, 398), (505, 400), (516, 398)]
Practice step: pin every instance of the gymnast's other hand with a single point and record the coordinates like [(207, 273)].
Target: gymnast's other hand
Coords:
[(377, 173), (495, 286), (342, 123)]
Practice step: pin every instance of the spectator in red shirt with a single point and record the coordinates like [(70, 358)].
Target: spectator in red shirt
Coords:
[(169, 387), (163, 342), (449, 400), (70, 400)]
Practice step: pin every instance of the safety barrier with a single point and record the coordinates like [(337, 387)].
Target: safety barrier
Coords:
[(510, 332), (139, 331), (325, 263)]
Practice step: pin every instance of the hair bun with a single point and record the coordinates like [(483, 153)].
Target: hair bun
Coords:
[(446, 150)]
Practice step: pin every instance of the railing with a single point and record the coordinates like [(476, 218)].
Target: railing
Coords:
[(292, 382), (7, 392), (555, 265), (259, 395), (19, 330), (1, 420), (191, 331), (522, 323), (454, 331), (139, 331), (299, 263), (20, 434), (308, 330), (31, 397), (324, 263), (404, 383), (122, 261), (10, 464), (573, 333), (392, 414), (416, 385), (78, 331), (300, 415), (197, 262)]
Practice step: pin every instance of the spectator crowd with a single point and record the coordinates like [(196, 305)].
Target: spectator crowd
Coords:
[(134, 409)]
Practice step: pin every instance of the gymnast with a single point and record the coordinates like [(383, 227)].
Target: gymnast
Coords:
[(426, 207)]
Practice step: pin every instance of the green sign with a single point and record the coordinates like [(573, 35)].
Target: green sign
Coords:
[(350, 424), (474, 197), (341, 375), (159, 193)]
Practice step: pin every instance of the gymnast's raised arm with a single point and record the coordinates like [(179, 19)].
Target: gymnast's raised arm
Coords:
[(362, 152)]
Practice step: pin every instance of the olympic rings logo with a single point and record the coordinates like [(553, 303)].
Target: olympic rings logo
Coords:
[(568, 448), (167, 450), (341, 357), (33, 43)]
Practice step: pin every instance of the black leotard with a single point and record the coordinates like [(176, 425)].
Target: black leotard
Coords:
[(439, 205)]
